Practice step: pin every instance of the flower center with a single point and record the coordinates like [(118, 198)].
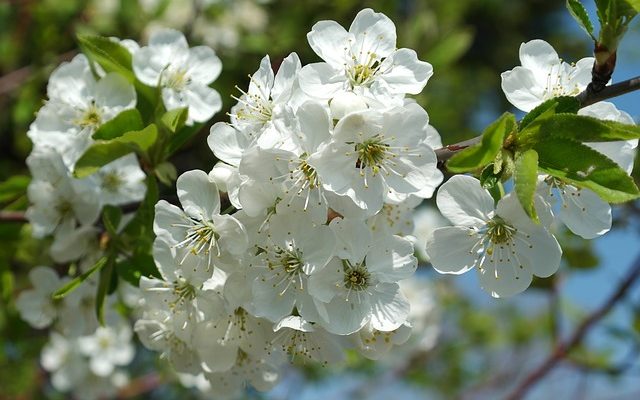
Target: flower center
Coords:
[(356, 277), (372, 153), (286, 266), (363, 74), (254, 107), (64, 207), (498, 231), (309, 173), (184, 291), (176, 79), (558, 82), (200, 237), (91, 117), (111, 181)]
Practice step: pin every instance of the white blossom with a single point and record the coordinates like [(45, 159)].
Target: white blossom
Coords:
[(502, 243), (183, 74)]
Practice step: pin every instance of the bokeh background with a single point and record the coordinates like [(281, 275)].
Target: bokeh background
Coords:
[(479, 347)]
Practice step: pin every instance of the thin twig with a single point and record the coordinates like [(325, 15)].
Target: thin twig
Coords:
[(15, 79), (587, 98), (563, 348), (12, 216)]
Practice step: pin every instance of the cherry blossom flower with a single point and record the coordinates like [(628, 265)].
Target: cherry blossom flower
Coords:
[(504, 246)]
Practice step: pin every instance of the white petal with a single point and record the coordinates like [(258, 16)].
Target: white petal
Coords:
[(464, 202), (522, 89), (328, 39), (203, 102), (450, 249), (408, 74), (539, 249), (233, 236), (270, 302), (314, 125), (584, 212), (204, 65), (285, 78), (389, 308), (391, 259), (538, 55), (320, 80), (227, 143), (198, 195), (347, 317), (503, 279), (115, 92), (373, 32)]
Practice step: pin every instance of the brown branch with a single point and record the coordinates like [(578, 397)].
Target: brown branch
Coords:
[(14, 79), (586, 98), (12, 216), (563, 348)]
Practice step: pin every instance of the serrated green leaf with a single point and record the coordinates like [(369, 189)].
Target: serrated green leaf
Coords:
[(562, 104), (102, 153), (485, 152), (586, 129), (582, 166), (111, 55), (579, 13), (174, 120), (126, 121), (104, 283), (526, 179), (74, 283), (14, 187)]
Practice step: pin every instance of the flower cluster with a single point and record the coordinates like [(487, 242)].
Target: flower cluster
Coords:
[(323, 164), (307, 251), (501, 242), (82, 99)]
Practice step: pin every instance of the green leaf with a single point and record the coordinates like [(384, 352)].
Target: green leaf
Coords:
[(485, 152), (139, 265), (526, 179), (126, 121), (111, 56), (490, 180), (14, 187), (579, 13), (628, 8), (70, 286), (582, 166), (166, 173), (139, 231), (111, 216), (181, 137), (102, 153), (104, 283), (562, 104), (174, 120), (586, 129)]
